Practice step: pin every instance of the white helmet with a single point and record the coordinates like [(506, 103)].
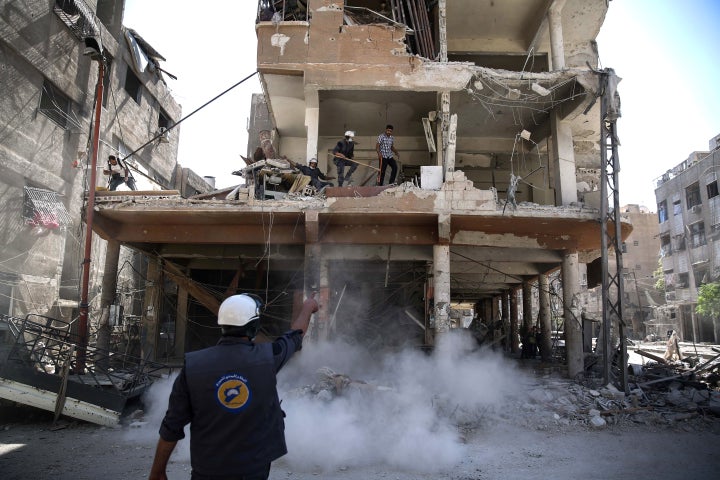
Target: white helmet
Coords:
[(350, 133), (239, 310), (313, 160)]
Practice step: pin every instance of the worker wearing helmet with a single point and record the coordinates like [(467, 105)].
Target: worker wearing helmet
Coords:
[(228, 395), (343, 154), (317, 178)]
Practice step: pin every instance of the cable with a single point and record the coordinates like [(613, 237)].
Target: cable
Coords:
[(189, 115)]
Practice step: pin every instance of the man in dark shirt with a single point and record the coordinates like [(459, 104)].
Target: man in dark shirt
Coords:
[(228, 395), (343, 154), (317, 178)]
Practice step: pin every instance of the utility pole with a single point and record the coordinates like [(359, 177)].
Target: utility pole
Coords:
[(85, 279)]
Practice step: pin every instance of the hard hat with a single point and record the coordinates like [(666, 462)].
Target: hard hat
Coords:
[(312, 160), (239, 310), (350, 133)]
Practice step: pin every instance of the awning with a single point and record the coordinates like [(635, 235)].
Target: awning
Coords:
[(43, 208)]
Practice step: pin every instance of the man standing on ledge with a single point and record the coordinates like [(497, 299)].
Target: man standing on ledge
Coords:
[(343, 154), (385, 148), (228, 395)]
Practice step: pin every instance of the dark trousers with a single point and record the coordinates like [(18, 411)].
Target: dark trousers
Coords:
[(340, 164), (393, 170), (263, 474), (116, 180)]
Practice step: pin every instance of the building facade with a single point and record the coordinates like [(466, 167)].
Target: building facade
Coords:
[(497, 134), (49, 80), (688, 204)]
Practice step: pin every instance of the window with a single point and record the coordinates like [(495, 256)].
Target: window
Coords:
[(683, 279), (164, 123), (677, 207), (624, 247), (692, 195), (54, 104), (665, 246), (638, 266), (662, 211), (636, 243), (712, 189), (106, 78), (697, 234), (133, 86)]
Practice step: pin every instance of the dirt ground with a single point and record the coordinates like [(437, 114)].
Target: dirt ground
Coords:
[(497, 420)]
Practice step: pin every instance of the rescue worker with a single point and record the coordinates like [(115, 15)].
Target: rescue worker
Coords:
[(317, 178), (343, 155), (228, 395)]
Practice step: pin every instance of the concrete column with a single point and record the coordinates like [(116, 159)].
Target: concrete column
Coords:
[(312, 284), (442, 31), (442, 127), (563, 154), (181, 317), (452, 143), (441, 287), (528, 317), (324, 292), (514, 321), (505, 299), (571, 313), (545, 317), (557, 48), (151, 310), (312, 122), (107, 297)]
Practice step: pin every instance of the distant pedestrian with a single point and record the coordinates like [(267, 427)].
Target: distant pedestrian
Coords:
[(385, 147)]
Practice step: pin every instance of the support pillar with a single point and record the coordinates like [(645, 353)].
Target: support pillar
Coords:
[(107, 297), (312, 122), (527, 320), (181, 317), (151, 310), (557, 47), (571, 313), (505, 330), (563, 154), (441, 287), (545, 318), (514, 321)]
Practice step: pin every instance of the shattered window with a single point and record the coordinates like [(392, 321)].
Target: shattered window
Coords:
[(677, 208), (54, 104), (712, 189), (697, 234), (133, 86), (665, 246), (662, 212), (692, 195)]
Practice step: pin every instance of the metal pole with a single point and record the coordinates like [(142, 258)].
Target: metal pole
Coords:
[(85, 281)]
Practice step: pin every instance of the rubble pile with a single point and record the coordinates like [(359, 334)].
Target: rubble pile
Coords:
[(556, 404)]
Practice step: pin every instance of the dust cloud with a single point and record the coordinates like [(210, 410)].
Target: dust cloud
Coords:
[(410, 423), (405, 415)]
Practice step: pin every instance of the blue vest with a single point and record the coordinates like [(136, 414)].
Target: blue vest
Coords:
[(237, 425)]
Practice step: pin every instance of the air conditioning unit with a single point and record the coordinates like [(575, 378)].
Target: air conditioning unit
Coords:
[(696, 209), (164, 135)]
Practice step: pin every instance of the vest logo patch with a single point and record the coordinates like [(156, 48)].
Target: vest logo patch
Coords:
[(232, 392)]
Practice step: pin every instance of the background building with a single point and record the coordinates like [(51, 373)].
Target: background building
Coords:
[(688, 204), (46, 117)]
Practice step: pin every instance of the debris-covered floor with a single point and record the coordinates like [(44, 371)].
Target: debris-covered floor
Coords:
[(459, 413)]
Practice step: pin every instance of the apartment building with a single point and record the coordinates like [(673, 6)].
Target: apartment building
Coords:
[(496, 108), (49, 79), (689, 216)]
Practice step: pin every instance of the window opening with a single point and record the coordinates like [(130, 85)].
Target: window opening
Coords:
[(692, 195), (54, 104), (133, 86)]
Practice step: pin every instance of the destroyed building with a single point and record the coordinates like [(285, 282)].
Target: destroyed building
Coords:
[(496, 110), (49, 78), (688, 210)]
